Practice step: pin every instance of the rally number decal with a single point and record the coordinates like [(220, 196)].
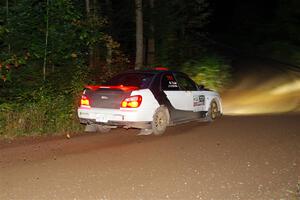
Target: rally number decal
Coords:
[(198, 100)]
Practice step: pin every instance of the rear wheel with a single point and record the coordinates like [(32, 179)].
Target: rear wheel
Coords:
[(160, 120)]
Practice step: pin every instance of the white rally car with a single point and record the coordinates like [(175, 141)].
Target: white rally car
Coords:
[(149, 100)]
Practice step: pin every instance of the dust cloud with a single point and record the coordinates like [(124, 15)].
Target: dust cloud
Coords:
[(263, 89)]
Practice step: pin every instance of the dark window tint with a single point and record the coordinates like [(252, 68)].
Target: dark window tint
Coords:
[(185, 83), (168, 82), (132, 79)]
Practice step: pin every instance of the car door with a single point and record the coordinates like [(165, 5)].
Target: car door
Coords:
[(197, 101), (193, 100)]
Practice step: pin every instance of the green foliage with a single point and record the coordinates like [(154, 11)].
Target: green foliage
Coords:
[(178, 27), (179, 30), (262, 29), (281, 50), (29, 105), (24, 41), (210, 71), (286, 22), (283, 40)]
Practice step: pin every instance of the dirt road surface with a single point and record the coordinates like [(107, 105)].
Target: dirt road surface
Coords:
[(236, 157)]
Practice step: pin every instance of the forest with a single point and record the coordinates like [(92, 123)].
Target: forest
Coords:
[(50, 49)]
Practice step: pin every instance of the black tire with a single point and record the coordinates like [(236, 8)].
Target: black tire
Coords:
[(103, 128), (213, 111), (160, 120)]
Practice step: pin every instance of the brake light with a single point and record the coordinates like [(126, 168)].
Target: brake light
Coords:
[(132, 102), (161, 69), (85, 102)]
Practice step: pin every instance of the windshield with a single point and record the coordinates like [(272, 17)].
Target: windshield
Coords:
[(140, 80)]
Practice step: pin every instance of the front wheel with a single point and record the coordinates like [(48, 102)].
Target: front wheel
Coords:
[(160, 120), (213, 111)]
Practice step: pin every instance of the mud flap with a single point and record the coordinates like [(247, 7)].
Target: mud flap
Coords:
[(145, 132), (90, 128)]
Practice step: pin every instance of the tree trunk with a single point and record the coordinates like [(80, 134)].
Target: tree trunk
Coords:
[(91, 50), (151, 40), (7, 21), (46, 42), (109, 13), (87, 7), (139, 34)]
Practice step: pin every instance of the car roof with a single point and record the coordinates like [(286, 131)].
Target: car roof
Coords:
[(151, 71)]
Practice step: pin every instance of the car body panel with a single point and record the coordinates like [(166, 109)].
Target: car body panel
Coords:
[(182, 103)]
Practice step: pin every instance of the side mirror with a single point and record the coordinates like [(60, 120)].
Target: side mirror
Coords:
[(201, 87)]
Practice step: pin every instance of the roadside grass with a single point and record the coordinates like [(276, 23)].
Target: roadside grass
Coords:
[(295, 194), (49, 116)]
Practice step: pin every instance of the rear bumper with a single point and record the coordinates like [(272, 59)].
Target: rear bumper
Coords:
[(116, 117), (123, 124)]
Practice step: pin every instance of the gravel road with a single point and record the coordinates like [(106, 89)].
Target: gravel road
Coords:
[(236, 157)]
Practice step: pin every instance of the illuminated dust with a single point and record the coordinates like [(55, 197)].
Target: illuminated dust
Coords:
[(263, 89)]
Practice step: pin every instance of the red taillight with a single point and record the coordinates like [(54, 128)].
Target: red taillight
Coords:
[(132, 102), (161, 68), (85, 102)]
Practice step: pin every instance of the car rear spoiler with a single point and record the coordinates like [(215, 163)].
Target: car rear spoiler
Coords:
[(117, 87)]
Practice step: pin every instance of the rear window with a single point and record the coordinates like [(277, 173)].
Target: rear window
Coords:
[(139, 80)]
